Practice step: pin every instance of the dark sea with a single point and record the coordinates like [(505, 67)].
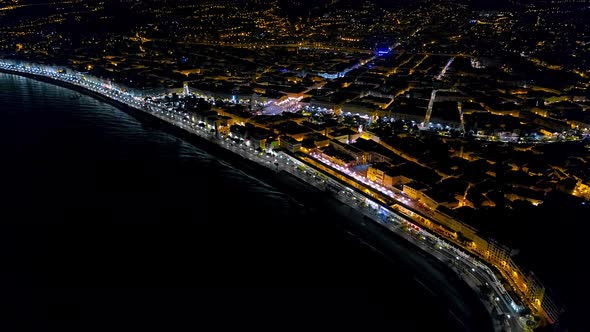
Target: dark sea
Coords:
[(109, 222)]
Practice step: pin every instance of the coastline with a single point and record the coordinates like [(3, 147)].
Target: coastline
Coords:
[(308, 194), (250, 167)]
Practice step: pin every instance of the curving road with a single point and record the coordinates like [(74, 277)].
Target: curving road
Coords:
[(470, 270)]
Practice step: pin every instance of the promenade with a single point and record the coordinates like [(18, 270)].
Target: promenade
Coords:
[(348, 188)]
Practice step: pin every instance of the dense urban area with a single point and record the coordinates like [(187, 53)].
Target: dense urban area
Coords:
[(471, 120)]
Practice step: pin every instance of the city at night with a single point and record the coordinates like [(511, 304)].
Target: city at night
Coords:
[(294, 165)]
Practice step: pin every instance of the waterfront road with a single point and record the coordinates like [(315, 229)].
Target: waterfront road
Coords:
[(473, 272)]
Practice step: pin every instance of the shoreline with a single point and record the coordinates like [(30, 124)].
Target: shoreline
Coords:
[(216, 150), (285, 182)]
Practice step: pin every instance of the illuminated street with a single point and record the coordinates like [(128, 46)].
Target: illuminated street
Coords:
[(473, 272)]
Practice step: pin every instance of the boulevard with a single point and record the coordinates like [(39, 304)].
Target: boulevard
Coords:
[(370, 199)]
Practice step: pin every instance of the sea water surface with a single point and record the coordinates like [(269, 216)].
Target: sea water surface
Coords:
[(107, 217)]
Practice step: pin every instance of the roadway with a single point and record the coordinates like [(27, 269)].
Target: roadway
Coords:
[(469, 269)]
